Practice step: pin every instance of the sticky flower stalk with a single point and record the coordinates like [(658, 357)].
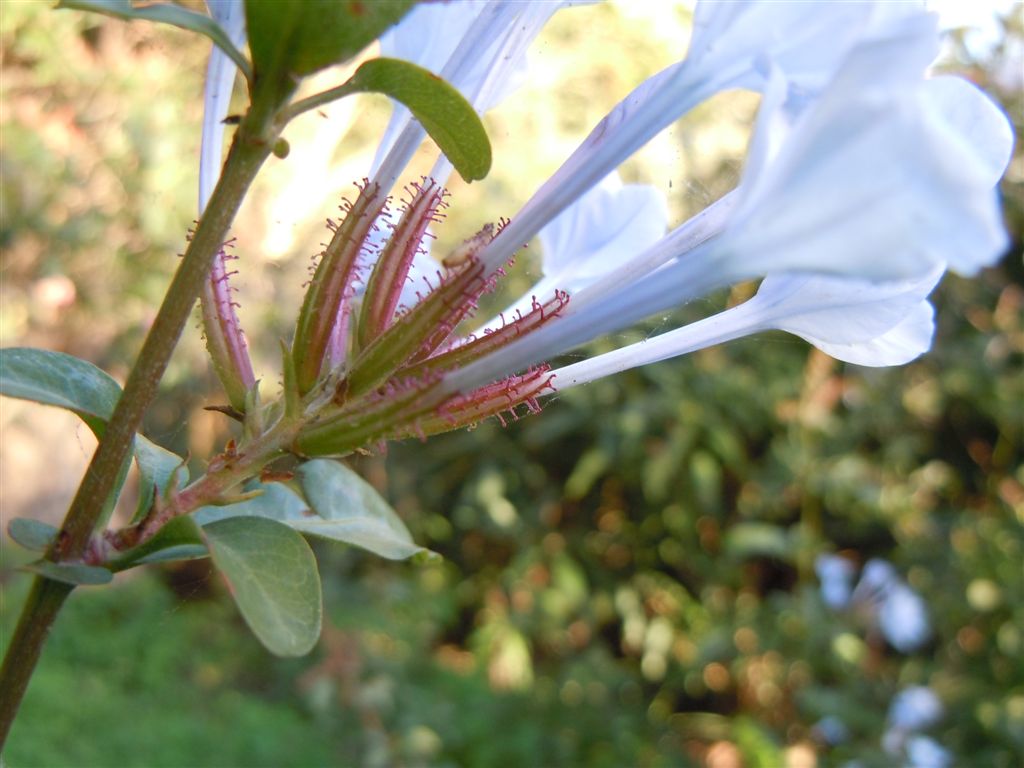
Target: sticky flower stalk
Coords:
[(384, 288), (224, 338), (420, 331), (331, 288)]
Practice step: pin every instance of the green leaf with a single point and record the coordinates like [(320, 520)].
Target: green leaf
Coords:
[(272, 575), (276, 502), (450, 120), (31, 534), (350, 510), (165, 13), (75, 574), (758, 540), (157, 468), (180, 539), (54, 378), (291, 39)]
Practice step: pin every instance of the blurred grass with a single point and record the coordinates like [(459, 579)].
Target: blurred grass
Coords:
[(628, 577)]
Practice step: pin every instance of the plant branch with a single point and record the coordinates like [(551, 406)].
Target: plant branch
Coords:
[(250, 148), (41, 607), (319, 99)]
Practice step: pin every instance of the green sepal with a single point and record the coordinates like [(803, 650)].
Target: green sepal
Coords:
[(76, 574), (252, 425), (165, 13), (34, 535), (292, 397)]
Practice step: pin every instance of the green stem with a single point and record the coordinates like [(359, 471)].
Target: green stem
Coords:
[(231, 472), (44, 601), (250, 148), (319, 99)]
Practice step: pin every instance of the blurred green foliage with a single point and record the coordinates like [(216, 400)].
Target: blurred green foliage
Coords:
[(628, 577)]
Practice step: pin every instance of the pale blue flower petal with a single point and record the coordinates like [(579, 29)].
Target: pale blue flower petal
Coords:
[(427, 36), (873, 181), (925, 752), (602, 230), (873, 324), (484, 65), (907, 341), (808, 44), (915, 709), (220, 79), (840, 310), (972, 115), (836, 576), (903, 619), (876, 580)]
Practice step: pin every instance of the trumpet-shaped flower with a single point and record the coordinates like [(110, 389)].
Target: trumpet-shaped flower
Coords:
[(864, 180), (731, 44), (878, 179), (871, 324)]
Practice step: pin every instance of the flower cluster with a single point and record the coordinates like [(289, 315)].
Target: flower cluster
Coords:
[(865, 180)]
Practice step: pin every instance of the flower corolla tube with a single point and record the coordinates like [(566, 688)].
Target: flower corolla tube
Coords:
[(865, 180)]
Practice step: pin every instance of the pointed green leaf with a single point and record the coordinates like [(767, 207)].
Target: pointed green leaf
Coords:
[(31, 534), (165, 13), (75, 574), (157, 467), (350, 510), (180, 539), (450, 120), (54, 378), (272, 575)]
